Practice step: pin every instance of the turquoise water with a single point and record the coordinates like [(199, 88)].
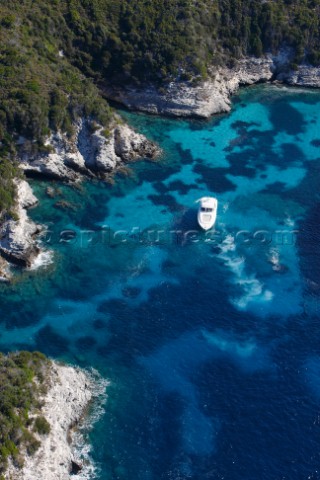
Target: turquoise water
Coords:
[(210, 342)]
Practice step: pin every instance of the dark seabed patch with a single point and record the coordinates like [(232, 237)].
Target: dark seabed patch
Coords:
[(49, 341), (186, 155), (85, 343), (181, 187), (291, 153), (167, 201), (286, 118), (214, 178), (210, 342)]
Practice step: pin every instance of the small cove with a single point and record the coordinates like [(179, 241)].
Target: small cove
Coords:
[(210, 343)]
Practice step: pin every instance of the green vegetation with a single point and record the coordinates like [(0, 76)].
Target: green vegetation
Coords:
[(55, 56), (8, 172), (41, 426), (39, 88), (22, 379), (127, 40)]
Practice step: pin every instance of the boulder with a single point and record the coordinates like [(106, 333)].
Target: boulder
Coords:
[(76, 467), (17, 235)]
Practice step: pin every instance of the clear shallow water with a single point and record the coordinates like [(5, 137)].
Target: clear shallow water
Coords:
[(211, 344)]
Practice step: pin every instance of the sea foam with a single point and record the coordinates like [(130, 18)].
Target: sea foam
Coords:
[(44, 259)]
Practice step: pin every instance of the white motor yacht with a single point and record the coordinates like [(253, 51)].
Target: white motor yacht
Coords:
[(207, 213)]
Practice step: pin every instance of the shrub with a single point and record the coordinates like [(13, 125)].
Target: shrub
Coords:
[(41, 426), (19, 396), (8, 172)]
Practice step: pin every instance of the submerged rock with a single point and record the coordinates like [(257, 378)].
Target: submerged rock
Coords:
[(50, 192), (65, 205)]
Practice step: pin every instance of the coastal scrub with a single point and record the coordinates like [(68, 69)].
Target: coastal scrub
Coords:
[(23, 380)]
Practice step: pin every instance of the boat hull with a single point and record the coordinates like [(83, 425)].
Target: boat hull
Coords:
[(206, 223), (207, 213)]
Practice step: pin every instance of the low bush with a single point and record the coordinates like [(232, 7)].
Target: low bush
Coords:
[(41, 426), (19, 396)]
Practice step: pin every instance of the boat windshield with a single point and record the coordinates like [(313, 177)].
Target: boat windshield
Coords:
[(207, 210)]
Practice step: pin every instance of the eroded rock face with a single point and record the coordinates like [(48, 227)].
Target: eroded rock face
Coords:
[(201, 100), (304, 76), (17, 235), (185, 99), (89, 152), (5, 275), (64, 162), (129, 145), (176, 99)]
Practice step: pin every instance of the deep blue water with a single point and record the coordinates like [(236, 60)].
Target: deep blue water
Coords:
[(211, 343)]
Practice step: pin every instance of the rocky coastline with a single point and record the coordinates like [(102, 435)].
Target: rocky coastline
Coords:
[(18, 234), (69, 394), (94, 152), (91, 152), (213, 96)]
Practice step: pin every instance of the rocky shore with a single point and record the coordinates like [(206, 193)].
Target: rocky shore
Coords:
[(69, 394), (204, 99), (92, 151), (95, 152), (18, 234), (304, 76)]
